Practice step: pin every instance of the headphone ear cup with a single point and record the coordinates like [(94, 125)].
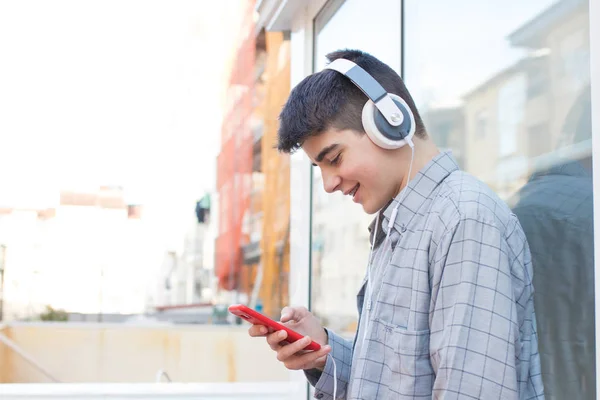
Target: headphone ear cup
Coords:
[(368, 121), (369, 115)]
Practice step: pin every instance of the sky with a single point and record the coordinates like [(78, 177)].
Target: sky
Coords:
[(112, 92)]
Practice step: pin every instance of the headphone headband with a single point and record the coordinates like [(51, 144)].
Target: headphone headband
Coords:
[(371, 88)]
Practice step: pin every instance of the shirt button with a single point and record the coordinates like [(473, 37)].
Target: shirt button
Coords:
[(320, 396)]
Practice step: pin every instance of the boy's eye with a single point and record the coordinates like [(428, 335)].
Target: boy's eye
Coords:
[(336, 160)]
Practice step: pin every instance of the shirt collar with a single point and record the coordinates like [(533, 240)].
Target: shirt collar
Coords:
[(417, 191)]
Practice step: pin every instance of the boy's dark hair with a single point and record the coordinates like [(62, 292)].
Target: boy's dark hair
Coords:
[(327, 99)]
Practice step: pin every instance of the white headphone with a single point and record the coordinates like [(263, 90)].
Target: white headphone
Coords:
[(386, 118)]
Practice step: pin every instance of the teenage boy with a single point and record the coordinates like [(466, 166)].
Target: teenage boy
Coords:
[(446, 309)]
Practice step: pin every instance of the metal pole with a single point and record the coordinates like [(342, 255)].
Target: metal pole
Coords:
[(2, 269), (100, 293), (15, 347), (233, 222)]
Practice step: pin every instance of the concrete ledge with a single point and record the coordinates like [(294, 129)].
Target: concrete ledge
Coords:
[(221, 391), (117, 353)]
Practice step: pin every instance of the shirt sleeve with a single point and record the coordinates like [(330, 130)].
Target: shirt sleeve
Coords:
[(474, 332), (341, 352)]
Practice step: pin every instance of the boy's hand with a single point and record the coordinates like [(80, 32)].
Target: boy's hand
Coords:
[(291, 354)]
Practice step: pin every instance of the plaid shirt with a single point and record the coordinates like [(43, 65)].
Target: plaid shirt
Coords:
[(453, 312)]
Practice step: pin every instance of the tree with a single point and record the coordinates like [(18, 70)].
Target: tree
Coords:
[(54, 315)]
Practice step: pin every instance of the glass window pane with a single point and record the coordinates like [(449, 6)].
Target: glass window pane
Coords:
[(340, 243), (506, 86)]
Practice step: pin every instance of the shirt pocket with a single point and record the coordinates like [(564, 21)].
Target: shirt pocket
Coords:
[(381, 363), (416, 374), (407, 371)]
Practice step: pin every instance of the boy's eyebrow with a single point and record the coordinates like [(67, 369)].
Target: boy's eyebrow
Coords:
[(325, 151)]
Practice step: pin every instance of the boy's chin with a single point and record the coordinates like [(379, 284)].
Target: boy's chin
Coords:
[(369, 208), (372, 207)]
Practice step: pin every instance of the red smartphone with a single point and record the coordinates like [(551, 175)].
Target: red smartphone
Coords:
[(256, 318)]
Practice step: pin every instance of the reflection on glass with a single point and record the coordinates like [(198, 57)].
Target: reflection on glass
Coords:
[(340, 241), (556, 211), (506, 86)]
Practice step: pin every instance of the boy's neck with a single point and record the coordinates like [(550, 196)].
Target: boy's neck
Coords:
[(424, 151)]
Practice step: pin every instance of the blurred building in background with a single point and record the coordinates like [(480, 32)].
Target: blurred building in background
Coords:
[(187, 273), (252, 249), (272, 281), (186, 283), (521, 111), (234, 162), (86, 255)]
